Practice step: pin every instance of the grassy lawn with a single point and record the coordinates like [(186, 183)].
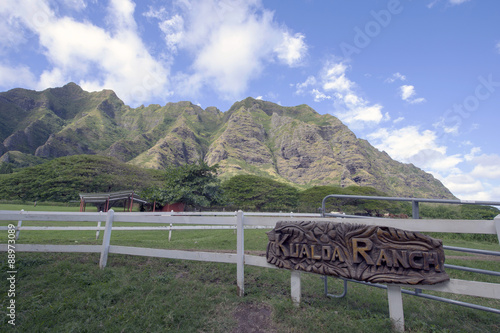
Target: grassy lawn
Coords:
[(66, 292), (41, 208), (69, 293)]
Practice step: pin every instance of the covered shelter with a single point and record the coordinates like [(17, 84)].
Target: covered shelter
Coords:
[(105, 201)]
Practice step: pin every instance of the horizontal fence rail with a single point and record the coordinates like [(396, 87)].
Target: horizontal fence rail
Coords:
[(415, 201), (240, 221)]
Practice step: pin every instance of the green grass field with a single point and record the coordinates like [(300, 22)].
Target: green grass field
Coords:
[(40, 208), (66, 292)]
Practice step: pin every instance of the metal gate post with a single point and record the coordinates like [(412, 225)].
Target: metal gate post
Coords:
[(415, 210), (240, 254), (497, 226)]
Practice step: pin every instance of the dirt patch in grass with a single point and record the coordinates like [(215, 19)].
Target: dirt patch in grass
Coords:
[(254, 318)]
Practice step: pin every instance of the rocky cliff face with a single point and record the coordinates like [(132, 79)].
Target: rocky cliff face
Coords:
[(297, 145), (290, 144)]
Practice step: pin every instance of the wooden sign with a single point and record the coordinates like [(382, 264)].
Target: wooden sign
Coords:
[(360, 252)]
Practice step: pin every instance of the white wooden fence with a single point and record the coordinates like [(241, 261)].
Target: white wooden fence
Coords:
[(240, 221)]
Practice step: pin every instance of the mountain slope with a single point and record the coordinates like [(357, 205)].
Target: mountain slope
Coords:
[(289, 144), (297, 145)]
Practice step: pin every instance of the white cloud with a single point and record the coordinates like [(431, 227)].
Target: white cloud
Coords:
[(404, 143), (418, 100), (12, 32), (395, 77), (472, 154), (225, 44), (121, 14), (451, 2), (463, 184), (19, 76), (31, 13), (173, 29), (229, 42), (75, 4), (292, 50), (448, 125), (334, 78), (431, 4), (231, 58), (319, 96), (160, 13), (410, 145), (469, 186), (333, 84), (398, 120), (301, 87), (408, 94), (358, 111), (457, 2), (90, 55), (351, 108), (436, 160), (487, 166)]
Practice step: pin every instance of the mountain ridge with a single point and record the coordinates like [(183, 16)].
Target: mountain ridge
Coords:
[(293, 144)]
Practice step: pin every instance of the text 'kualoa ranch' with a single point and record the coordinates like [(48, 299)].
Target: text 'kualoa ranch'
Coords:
[(361, 252)]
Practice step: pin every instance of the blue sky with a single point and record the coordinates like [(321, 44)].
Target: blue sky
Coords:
[(418, 79)]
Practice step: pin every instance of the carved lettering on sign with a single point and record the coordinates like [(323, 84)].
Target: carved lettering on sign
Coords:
[(365, 253)]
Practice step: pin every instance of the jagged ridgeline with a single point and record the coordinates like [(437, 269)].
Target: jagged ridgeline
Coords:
[(295, 145)]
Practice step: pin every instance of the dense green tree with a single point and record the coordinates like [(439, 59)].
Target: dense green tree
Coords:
[(62, 179), (439, 211), (5, 168), (192, 184), (478, 212), (248, 192), (311, 200)]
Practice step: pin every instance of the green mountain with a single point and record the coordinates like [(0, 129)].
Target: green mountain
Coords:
[(295, 145)]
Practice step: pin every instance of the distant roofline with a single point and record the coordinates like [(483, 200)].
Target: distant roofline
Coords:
[(110, 196)]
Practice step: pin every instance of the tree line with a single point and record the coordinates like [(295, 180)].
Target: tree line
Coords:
[(199, 188)]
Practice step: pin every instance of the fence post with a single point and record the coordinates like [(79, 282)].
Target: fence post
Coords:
[(497, 226), (98, 226), (396, 307), (296, 289), (240, 253), (106, 239), (19, 224), (97, 232), (415, 210)]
